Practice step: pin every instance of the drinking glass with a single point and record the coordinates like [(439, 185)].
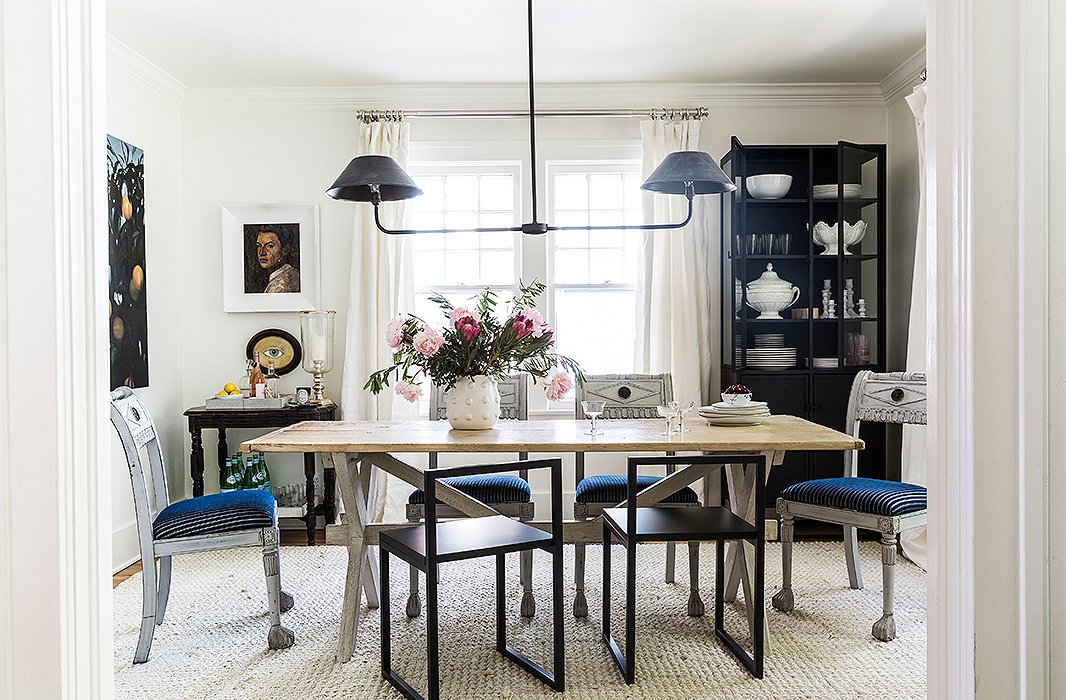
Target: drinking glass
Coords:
[(593, 409), (668, 411), (682, 410)]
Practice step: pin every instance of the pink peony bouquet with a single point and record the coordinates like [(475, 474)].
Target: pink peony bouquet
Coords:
[(475, 342)]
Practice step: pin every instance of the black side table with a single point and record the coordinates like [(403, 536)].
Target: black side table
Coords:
[(201, 417)]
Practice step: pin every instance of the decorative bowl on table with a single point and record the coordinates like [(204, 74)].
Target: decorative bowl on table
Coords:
[(826, 235), (737, 395), (770, 186), (770, 294)]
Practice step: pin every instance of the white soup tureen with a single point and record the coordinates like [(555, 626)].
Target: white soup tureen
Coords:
[(770, 294)]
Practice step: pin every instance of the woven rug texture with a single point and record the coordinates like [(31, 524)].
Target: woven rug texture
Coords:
[(213, 642)]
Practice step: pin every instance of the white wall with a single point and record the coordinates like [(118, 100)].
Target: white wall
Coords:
[(143, 115)]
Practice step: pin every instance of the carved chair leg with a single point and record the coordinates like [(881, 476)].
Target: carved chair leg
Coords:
[(279, 637), (414, 603), (581, 605), (671, 560), (784, 600), (695, 603), (851, 553), (165, 569), (525, 565), (885, 628), (148, 619)]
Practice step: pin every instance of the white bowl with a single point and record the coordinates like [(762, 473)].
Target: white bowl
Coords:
[(768, 186), (826, 235), (736, 399)]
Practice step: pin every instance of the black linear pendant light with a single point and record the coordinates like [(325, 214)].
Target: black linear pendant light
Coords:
[(378, 179)]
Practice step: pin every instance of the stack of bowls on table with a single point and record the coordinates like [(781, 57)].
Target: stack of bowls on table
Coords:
[(722, 413), (770, 352), (852, 190)]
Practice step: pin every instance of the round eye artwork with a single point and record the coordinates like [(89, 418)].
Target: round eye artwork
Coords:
[(277, 346)]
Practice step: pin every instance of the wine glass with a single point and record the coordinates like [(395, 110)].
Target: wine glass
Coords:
[(593, 409), (668, 411), (682, 410)]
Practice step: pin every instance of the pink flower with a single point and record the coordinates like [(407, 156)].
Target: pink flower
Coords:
[(428, 342), (394, 333), (559, 386), (457, 314), (530, 322), (468, 327), (409, 391)]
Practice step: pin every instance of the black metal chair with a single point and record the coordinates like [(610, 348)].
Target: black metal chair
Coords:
[(426, 546), (632, 526), (507, 494)]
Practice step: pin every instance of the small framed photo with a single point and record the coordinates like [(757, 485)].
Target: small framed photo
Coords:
[(270, 257)]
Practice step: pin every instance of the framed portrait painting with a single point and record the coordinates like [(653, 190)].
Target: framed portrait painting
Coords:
[(270, 257)]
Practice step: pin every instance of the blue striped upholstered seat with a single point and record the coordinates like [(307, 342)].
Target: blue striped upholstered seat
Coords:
[(215, 513), (611, 488), (492, 488), (873, 496)]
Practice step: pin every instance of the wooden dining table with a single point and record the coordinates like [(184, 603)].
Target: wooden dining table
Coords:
[(359, 450)]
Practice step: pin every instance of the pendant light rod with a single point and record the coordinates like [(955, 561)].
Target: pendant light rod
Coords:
[(532, 120), (377, 179)]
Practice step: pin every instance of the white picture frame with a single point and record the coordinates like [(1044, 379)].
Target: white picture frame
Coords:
[(248, 284)]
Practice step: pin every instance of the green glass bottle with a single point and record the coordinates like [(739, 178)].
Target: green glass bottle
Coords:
[(261, 475), (248, 464), (231, 477)]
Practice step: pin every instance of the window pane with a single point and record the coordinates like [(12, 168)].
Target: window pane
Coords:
[(571, 267), (596, 328), (461, 192), (494, 219), (497, 267), (460, 220), (497, 192), (605, 191), (606, 267), (432, 198), (571, 191)]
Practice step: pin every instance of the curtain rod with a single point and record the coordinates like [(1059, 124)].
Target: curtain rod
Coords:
[(396, 115)]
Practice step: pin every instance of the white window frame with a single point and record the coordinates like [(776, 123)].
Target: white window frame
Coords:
[(553, 168), (533, 254)]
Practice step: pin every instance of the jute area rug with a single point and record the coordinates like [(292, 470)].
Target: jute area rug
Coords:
[(213, 642)]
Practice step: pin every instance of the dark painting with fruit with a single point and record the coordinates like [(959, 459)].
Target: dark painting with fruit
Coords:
[(126, 303)]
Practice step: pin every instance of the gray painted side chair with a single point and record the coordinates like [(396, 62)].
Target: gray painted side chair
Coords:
[(205, 523), (508, 494), (626, 396), (887, 507)]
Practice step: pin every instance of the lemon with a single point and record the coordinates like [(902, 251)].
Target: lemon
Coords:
[(221, 393), (230, 388), (234, 393)]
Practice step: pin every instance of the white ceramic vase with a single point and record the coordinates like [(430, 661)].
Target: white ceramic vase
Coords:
[(473, 403)]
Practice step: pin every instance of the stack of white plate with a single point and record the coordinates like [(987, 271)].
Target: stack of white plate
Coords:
[(769, 340), (851, 191), (771, 358), (721, 413), (825, 363)]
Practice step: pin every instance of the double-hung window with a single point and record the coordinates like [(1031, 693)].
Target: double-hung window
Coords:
[(591, 276)]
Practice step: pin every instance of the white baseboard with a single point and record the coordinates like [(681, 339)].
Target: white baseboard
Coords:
[(125, 548)]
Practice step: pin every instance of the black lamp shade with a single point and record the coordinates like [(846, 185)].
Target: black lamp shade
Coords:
[(696, 167), (354, 183)]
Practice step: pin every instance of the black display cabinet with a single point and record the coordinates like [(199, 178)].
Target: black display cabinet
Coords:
[(829, 351)]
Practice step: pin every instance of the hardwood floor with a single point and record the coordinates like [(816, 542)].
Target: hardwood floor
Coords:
[(288, 538)]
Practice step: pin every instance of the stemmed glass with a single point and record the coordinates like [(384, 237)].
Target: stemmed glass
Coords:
[(593, 409), (682, 410), (668, 411)]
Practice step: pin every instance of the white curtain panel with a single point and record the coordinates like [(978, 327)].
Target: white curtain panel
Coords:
[(914, 469), (677, 274), (381, 287)]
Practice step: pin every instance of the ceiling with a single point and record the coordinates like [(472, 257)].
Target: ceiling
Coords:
[(327, 43)]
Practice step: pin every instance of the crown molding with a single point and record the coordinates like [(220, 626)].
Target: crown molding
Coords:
[(549, 97), (122, 56), (898, 83)]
